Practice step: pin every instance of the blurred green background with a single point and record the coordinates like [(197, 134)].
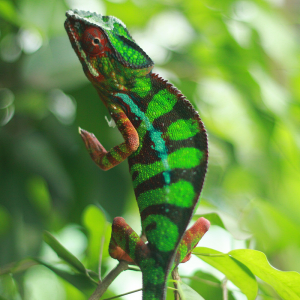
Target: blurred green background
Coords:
[(236, 61)]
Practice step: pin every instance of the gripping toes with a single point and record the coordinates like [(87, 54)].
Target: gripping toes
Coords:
[(125, 244), (190, 240), (108, 159)]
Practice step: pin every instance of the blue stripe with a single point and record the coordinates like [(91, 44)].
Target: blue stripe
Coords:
[(155, 135)]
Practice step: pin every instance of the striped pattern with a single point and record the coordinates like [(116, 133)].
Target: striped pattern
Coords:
[(165, 142), (168, 171)]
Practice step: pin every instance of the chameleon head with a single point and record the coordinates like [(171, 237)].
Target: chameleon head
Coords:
[(106, 50)]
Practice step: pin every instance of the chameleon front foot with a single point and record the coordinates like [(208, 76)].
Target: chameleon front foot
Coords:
[(109, 159), (95, 149)]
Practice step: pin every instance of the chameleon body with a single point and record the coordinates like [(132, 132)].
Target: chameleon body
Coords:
[(164, 140)]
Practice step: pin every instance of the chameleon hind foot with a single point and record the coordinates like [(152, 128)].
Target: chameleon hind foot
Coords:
[(190, 240), (125, 243)]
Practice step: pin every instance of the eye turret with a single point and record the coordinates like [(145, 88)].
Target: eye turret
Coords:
[(93, 41)]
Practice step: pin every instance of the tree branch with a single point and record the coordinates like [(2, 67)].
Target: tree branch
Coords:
[(175, 276), (110, 277)]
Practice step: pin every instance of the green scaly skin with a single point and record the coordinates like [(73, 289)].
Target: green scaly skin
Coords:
[(164, 140)]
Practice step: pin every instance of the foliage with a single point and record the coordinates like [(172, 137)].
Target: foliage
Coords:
[(237, 61)]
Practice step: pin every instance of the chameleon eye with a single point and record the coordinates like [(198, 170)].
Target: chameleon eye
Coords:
[(92, 40)]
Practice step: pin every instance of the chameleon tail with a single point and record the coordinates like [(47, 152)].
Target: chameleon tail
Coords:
[(154, 283), (126, 245), (155, 276)]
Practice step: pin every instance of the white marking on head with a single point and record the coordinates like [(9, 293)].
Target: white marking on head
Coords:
[(93, 18), (92, 70)]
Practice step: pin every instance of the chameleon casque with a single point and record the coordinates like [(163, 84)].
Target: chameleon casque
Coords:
[(165, 143)]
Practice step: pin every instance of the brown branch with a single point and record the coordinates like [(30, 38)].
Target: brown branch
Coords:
[(100, 257), (124, 294), (110, 277), (224, 288), (175, 276)]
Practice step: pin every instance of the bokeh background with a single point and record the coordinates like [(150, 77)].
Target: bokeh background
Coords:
[(236, 61)]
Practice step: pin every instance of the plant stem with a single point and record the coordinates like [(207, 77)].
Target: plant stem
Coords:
[(176, 277), (100, 257), (110, 277), (124, 294), (224, 287)]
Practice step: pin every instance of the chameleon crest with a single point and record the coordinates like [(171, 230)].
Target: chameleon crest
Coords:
[(164, 140)]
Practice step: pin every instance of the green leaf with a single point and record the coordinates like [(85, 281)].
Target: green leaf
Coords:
[(7, 12), (286, 284), (38, 194), (80, 281), (63, 253), (17, 267), (98, 228), (223, 220), (186, 292), (273, 228), (235, 271), (266, 291), (9, 288), (207, 285), (5, 220)]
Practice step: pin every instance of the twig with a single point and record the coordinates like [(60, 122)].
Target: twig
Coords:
[(115, 297), (209, 282), (110, 277), (225, 290), (100, 257), (176, 277), (134, 269)]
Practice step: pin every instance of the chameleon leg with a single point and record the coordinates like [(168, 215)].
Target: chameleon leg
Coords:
[(190, 240), (108, 159), (125, 244)]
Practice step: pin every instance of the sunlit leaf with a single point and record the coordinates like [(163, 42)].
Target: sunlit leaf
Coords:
[(216, 217), (63, 253), (186, 292), (7, 11), (266, 291), (237, 272), (8, 288), (99, 231), (272, 227), (80, 281), (207, 285), (39, 195), (287, 284)]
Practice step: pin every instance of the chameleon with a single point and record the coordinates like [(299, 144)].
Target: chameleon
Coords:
[(165, 143)]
